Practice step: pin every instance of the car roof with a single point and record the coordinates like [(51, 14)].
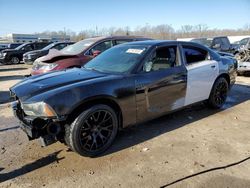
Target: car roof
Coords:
[(62, 42), (160, 42), (150, 42), (119, 37)]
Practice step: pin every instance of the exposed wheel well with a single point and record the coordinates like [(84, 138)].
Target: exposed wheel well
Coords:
[(111, 103)]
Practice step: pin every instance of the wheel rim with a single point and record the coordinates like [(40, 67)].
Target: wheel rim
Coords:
[(96, 130), (221, 93), (14, 60)]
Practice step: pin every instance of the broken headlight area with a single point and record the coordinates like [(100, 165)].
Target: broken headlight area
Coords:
[(39, 109), (47, 128)]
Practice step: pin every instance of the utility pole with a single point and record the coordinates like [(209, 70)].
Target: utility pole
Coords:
[(64, 31)]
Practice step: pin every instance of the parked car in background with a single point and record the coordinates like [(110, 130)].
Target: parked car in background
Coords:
[(243, 68), (31, 56), (244, 43), (127, 84), (243, 56), (14, 56), (220, 44), (14, 45), (9, 46), (79, 53), (3, 46)]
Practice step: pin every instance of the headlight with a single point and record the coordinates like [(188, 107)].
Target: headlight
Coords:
[(29, 56), (38, 109), (46, 66), (4, 54)]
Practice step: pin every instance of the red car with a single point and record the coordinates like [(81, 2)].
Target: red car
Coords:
[(79, 53)]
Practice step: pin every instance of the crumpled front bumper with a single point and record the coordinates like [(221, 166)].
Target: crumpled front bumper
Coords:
[(26, 124), (34, 127)]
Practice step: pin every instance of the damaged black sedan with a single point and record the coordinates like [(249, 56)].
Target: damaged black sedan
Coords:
[(128, 84)]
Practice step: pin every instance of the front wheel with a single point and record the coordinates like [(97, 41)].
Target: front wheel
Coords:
[(14, 60), (93, 131), (219, 93)]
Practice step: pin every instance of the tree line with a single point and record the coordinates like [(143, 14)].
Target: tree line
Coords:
[(163, 31)]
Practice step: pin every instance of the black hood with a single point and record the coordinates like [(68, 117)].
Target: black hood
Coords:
[(9, 50), (35, 85), (37, 52), (34, 52)]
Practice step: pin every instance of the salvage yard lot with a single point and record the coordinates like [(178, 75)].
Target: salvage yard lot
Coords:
[(152, 154)]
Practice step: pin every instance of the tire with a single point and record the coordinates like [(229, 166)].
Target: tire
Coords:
[(14, 60), (218, 93), (93, 131)]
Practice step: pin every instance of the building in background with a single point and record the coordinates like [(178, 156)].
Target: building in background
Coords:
[(14, 37)]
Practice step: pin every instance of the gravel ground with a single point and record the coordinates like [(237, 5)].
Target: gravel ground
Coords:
[(194, 147)]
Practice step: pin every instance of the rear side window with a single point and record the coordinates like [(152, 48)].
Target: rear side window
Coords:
[(103, 46), (28, 47), (40, 45), (194, 54), (60, 46), (225, 43)]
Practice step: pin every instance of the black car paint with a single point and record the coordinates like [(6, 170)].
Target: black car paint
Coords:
[(140, 96), (31, 56), (19, 52)]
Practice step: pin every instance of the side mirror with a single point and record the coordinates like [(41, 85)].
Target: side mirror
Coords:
[(96, 53), (22, 49), (216, 46)]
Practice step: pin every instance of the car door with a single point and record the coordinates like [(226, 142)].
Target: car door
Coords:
[(161, 83), (202, 71)]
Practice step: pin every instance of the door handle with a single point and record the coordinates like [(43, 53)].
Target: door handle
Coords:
[(213, 66)]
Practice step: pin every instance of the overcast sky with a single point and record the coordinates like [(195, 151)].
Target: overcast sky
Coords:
[(29, 16)]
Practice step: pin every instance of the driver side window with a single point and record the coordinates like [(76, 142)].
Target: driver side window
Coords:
[(101, 47), (27, 48), (162, 58)]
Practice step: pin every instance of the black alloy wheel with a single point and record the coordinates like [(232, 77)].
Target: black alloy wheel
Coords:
[(219, 93), (93, 131), (14, 60)]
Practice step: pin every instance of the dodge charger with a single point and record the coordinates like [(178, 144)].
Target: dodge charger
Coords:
[(125, 85)]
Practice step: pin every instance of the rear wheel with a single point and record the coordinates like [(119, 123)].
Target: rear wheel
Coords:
[(218, 94), (93, 131), (14, 60)]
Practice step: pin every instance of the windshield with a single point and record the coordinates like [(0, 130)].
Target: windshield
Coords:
[(49, 46), (19, 47), (120, 59), (204, 41), (78, 47)]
